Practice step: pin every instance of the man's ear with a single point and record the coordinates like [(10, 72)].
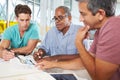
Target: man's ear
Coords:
[(70, 18), (16, 18), (101, 14)]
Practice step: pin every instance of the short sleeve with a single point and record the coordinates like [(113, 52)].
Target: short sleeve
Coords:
[(7, 34)]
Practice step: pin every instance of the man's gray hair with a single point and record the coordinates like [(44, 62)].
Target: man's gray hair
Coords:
[(107, 5), (66, 10)]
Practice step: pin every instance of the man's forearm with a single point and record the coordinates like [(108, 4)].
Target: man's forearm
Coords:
[(87, 59), (23, 50), (26, 49), (1, 50), (65, 57), (74, 64)]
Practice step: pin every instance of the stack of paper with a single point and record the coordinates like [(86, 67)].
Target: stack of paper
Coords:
[(14, 70)]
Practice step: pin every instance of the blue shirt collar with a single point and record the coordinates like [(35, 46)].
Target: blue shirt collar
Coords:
[(70, 30)]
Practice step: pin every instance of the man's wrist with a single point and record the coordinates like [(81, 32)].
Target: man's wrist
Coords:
[(55, 64), (1, 52)]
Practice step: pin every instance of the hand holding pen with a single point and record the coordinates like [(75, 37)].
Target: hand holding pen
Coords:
[(20, 59), (7, 54)]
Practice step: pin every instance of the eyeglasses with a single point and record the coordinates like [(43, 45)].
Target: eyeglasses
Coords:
[(59, 18)]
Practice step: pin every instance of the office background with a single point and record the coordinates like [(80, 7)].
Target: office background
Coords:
[(42, 12)]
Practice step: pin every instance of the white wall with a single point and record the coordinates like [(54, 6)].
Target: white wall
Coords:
[(118, 9), (47, 8), (47, 12), (75, 13)]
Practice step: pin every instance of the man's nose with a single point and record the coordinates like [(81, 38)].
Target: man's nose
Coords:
[(25, 22), (81, 18), (57, 21)]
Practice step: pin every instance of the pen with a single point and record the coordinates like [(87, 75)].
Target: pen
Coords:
[(7, 49), (32, 62)]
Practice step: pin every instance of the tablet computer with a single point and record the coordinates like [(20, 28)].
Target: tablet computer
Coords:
[(64, 76)]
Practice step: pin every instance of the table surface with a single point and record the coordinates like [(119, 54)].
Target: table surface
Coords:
[(13, 70)]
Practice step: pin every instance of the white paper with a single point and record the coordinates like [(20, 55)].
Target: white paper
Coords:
[(15, 70)]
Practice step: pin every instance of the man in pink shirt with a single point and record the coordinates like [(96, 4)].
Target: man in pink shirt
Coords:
[(102, 61)]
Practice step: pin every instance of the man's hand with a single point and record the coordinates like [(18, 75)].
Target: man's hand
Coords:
[(7, 55), (81, 35), (44, 64), (39, 55)]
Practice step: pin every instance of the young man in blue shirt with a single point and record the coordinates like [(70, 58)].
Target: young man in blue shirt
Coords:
[(21, 38)]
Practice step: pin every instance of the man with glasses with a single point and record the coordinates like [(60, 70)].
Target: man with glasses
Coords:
[(59, 42), (21, 38)]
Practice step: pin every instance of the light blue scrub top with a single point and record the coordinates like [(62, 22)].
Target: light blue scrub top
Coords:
[(12, 34)]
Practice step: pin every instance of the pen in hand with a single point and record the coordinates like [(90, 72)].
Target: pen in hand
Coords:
[(16, 55), (7, 54), (7, 49)]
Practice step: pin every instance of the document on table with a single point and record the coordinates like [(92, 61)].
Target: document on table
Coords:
[(14, 70)]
